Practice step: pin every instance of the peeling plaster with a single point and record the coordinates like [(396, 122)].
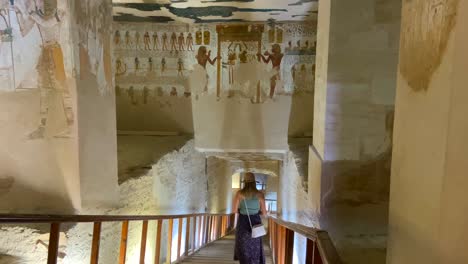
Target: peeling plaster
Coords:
[(424, 39)]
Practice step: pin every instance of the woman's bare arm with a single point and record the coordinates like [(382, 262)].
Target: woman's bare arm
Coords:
[(262, 204), (235, 205), (235, 208)]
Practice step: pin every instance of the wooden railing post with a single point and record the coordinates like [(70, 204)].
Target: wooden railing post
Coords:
[(220, 226), (157, 254), (277, 243), (54, 240), (169, 241), (187, 237), (215, 227), (179, 238), (280, 246), (194, 233), (144, 234), (223, 233), (123, 243), (96, 242), (201, 232), (312, 255), (270, 236), (289, 246), (207, 230), (210, 222)]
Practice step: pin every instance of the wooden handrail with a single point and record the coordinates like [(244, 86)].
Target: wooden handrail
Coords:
[(33, 218), (320, 248), (308, 232), (214, 230)]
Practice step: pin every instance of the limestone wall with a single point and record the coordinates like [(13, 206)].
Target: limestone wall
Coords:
[(428, 208), (157, 71), (38, 111), (230, 125), (96, 114), (58, 108), (219, 185), (180, 181), (357, 53)]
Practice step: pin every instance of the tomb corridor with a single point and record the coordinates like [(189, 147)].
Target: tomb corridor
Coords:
[(128, 128)]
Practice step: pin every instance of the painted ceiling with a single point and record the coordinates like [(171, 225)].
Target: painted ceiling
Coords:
[(214, 11)]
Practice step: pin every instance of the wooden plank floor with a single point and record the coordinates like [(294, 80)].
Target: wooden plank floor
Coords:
[(221, 252)]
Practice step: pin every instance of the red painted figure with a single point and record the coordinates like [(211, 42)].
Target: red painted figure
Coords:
[(203, 57), (275, 57)]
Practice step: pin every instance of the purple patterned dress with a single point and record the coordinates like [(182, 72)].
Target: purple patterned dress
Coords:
[(248, 250)]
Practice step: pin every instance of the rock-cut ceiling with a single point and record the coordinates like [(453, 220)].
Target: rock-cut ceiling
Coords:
[(206, 11)]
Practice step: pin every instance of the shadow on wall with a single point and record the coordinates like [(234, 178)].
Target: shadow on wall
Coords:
[(7, 259), (363, 181), (136, 154), (18, 198), (301, 118), (155, 113)]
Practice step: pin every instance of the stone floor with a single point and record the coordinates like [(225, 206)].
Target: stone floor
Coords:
[(221, 252)]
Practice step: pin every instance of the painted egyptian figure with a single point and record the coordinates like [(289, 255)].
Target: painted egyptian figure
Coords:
[(121, 68), (190, 42), (174, 91), (181, 41), (293, 72), (173, 42), (163, 65), (150, 64), (137, 64), (164, 41), (276, 56), (128, 39), (180, 67), (203, 57), (232, 58), (147, 41), (146, 93), (155, 41), (131, 94), (51, 68), (137, 40), (117, 38)]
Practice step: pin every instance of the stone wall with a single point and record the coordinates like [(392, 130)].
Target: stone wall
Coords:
[(96, 114), (38, 111), (219, 185), (428, 205), (58, 106), (180, 182), (157, 71), (355, 89)]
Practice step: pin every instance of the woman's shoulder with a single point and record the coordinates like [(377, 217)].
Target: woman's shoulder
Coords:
[(260, 195)]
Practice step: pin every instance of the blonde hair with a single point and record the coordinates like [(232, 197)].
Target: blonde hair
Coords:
[(250, 186)]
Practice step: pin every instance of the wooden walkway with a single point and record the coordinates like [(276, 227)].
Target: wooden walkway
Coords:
[(222, 252)]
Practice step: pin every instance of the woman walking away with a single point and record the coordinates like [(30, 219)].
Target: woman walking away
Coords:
[(249, 202)]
